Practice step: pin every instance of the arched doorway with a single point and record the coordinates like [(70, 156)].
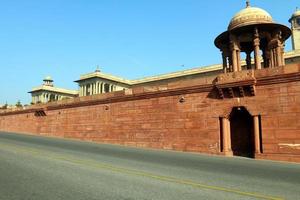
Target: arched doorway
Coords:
[(241, 129)]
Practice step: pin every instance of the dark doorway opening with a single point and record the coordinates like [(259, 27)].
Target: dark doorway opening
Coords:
[(242, 136)]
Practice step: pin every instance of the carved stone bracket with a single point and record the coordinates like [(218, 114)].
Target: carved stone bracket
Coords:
[(236, 84)]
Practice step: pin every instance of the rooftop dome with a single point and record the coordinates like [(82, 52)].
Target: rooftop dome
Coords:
[(249, 16)]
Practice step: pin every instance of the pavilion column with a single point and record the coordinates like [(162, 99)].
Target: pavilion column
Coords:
[(84, 90), (248, 59), (226, 136), (272, 64), (257, 55), (256, 43), (279, 55), (234, 60), (256, 134), (225, 56), (230, 63), (275, 58), (224, 62), (234, 53), (282, 54), (266, 58), (238, 55)]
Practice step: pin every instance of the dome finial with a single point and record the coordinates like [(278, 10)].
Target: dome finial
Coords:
[(98, 69), (247, 3)]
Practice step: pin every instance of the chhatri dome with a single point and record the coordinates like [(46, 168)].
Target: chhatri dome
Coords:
[(48, 78), (48, 81), (248, 16), (252, 32)]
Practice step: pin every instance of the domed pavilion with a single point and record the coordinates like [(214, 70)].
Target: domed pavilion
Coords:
[(252, 31)]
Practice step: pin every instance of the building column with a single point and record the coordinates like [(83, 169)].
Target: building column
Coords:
[(226, 137), (256, 134), (256, 43), (97, 88), (103, 88)]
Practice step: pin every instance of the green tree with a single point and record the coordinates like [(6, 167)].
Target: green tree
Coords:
[(4, 106), (18, 104)]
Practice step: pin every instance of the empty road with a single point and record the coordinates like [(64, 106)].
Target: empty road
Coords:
[(41, 168)]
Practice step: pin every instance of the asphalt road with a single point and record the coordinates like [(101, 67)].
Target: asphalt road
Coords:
[(41, 168)]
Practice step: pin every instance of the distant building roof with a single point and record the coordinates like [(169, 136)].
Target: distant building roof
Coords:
[(53, 89), (177, 74)]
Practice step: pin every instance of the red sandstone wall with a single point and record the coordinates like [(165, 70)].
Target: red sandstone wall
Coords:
[(161, 121)]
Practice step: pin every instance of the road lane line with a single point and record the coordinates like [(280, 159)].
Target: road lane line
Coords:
[(98, 165)]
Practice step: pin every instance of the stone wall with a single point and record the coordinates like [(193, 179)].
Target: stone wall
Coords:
[(182, 115)]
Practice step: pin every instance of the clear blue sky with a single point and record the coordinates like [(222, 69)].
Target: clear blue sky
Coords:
[(127, 38)]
